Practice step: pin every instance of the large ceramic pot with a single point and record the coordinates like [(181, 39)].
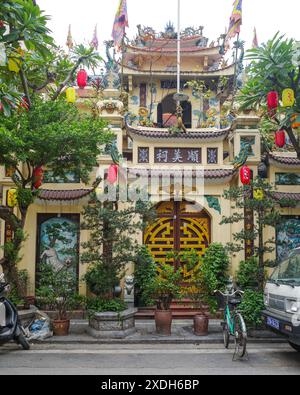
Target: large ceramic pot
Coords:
[(163, 321), (61, 328), (201, 325)]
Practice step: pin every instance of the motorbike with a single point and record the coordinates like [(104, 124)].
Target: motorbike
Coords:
[(10, 324)]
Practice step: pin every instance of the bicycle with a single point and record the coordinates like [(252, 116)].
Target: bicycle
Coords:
[(234, 324)]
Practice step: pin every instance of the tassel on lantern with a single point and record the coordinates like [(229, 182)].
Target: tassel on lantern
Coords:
[(272, 101), (12, 198), (280, 138), (288, 97), (82, 79), (112, 175), (71, 95), (245, 175)]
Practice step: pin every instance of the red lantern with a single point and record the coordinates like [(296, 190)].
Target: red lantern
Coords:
[(112, 174), (245, 174), (38, 176), (82, 79), (272, 100), (280, 138)]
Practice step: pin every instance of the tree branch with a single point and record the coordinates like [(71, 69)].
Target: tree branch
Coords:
[(25, 86), (294, 141), (9, 217)]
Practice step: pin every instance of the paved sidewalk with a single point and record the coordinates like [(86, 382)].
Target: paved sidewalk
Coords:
[(182, 333)]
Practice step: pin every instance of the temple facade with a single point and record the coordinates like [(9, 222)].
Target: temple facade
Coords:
[(185, 169)]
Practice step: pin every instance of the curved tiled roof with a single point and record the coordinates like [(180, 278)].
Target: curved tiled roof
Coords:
[(64, 195), (209, 174), (172, 49), (192, 134), (285, 160), (281, 196)]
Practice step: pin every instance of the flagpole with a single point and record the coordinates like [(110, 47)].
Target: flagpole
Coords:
[(178, 48)]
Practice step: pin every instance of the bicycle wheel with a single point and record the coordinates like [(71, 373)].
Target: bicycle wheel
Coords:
[(240, 336), (226, 335)]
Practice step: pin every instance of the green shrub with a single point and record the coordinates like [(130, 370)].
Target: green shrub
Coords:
[(248, 274), (145, 272), (98, 305), (215, 272), (101, 280), (252, 307)]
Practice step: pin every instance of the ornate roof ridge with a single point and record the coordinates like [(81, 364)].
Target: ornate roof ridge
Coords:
[(172, 49), (285, 160), (212, 174), (165, 134)]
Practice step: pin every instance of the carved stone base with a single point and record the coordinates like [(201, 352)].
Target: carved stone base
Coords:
[(112, 325)]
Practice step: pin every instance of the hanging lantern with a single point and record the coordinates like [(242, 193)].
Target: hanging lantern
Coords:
[(262, 170), (258, 194), (38, 176), (71, 95), (12, 198), (14, 65), (280, 138), (112, 174), (288, 97), (295, 119), (245, 175), (82, 79), (272, 101)]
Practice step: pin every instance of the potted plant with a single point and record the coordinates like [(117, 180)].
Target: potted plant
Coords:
[(57, 289), (164, 288), (196, 290)]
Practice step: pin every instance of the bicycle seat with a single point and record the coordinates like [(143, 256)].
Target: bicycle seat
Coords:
[(235, 302)]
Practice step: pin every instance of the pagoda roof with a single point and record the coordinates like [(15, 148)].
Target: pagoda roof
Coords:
[(173, 49), (216, 175), (284, 160), (145, 133), (63, 195)]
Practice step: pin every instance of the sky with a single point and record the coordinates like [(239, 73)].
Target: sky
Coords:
[(268, 16)]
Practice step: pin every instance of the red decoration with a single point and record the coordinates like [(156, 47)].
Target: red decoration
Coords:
[(38, 176), (280, 138), (1, 24), (82, 78), (24, 104), (245, 174), (112, 174), (273, 100), (1, 107)]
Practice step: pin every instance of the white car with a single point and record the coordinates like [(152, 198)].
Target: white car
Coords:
[(282, 300)]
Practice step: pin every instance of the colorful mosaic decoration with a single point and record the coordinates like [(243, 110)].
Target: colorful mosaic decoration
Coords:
[(288, 236), (287, 179), (143, 155), (212, 156)]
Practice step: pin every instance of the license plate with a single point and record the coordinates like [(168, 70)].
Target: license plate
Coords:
[(273, 323)]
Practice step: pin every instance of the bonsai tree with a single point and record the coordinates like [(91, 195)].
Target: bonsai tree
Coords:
[(165, 287), (274, 67), (112, 243), (145, 271), (57, 289), (265, 214)]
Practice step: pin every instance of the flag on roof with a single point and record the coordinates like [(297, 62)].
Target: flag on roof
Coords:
[(120, 24), (95, 42), (70, 43), (236, 19), (255, 43)]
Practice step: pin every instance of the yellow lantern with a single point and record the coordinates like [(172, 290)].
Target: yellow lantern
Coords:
[(12, 198), (288, 97), (258, 194), (14, 65), (71, 95)]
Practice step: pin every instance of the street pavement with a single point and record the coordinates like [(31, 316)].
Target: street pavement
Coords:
[(139, 359)]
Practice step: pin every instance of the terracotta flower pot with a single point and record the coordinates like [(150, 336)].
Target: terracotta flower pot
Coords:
[(163, 321), (61, 328), (201, 325)]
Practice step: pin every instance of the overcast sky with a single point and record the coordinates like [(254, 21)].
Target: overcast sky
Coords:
[(268, 16)]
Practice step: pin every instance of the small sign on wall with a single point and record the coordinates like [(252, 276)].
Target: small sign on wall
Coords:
[(178, 155)]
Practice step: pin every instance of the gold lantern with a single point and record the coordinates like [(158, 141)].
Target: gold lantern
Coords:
[(12, 198), (288, 97), (258, 194), (71, 95)]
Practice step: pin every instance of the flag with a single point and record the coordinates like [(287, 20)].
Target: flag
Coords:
[(69, 42), (120, 24), (95, 42), (236, 19), (255, 40)]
